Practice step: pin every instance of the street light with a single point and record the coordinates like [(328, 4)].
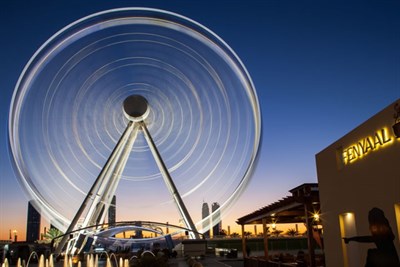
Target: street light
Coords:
[(273, 221), (15, 235), (316, 217)]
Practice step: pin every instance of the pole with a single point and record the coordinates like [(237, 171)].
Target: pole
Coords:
[(244, 250), (94, 187), (310, 238), (265, 234), (170, 184)]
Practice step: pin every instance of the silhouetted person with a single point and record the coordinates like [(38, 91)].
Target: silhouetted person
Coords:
[(300, 259), (385, 254)]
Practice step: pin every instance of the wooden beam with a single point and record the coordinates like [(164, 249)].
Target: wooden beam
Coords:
[(310, 237), (244, 243), (265, 233)]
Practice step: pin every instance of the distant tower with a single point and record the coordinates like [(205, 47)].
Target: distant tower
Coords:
[(205, 212), (33, 224), (216, 219), (112, 210)]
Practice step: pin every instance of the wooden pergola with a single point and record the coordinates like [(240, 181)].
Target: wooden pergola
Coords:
[(302, 206)]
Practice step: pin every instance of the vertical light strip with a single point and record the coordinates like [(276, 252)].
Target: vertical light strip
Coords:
[(397, 213), (348, 229)]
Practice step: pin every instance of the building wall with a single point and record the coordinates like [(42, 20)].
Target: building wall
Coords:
[(349, 191), (216, 219), (205, 212), (33, 224)]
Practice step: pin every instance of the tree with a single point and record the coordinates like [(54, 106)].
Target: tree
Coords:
[(235, 234), (247, 234), (223, 232), (291, 232), (51, 234), (277, 232), (261, 234)]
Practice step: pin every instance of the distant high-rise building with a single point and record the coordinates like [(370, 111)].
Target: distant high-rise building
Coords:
[(216, 219), (112, 210), (33, 224), (205, 212)]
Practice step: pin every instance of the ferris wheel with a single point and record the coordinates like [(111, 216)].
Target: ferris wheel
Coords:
[(140, 103)]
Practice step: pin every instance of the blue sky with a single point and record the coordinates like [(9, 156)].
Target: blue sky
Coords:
[(320, 69)]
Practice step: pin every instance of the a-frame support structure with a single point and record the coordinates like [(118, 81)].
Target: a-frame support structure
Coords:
[(102, 191)]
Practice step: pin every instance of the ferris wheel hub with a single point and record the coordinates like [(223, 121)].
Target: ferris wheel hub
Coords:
[(136, 108)]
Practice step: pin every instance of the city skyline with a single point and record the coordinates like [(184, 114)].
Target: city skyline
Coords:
[(320, 70)]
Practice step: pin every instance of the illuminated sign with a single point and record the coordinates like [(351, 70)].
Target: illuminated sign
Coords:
[(358, 150)]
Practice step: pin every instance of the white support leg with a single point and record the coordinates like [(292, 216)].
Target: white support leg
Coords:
[(170, 184)]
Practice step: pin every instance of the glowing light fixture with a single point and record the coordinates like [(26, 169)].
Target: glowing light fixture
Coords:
[(349, 215)]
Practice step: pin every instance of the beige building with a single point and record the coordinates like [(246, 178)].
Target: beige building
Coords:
[(358, 172)]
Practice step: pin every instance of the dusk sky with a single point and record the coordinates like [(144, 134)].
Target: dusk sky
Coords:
[(319, 68)]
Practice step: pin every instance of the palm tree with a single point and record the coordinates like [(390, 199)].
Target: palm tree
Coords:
[(223, 232), (235, 234), (51, 234), (291, 232), (261, 234), (277, 232), (247, 234)]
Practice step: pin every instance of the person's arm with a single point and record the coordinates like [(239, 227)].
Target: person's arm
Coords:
[(361, 239)]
